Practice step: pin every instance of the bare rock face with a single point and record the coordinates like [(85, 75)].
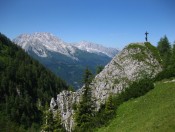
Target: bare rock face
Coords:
[(65, 101), (134, 62)]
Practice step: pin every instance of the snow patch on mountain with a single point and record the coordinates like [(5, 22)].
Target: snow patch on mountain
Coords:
[(40, 43), (96, 48)]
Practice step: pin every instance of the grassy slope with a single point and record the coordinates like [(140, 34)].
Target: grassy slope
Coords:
[(153, 112)]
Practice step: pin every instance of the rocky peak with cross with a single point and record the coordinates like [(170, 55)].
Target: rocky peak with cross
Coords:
[(132, 63)]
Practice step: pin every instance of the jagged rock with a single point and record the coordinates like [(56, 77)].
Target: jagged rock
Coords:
[(65, 101), (52, 104), (134, 62)]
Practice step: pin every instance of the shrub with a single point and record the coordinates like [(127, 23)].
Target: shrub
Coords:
[(165, 74), (136, 89)]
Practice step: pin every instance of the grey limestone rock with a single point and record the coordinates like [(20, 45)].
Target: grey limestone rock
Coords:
[(134, 62)]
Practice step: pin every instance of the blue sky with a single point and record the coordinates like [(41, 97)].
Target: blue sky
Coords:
[(113, 23)]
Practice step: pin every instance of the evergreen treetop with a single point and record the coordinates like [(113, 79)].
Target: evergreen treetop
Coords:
[(164, 48)]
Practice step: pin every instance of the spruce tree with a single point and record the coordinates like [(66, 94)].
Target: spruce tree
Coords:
[(48, 122), (109, 104), (57, 123), (85, 108), (109, 107), (173, 56), (99, 69), (164, 48)]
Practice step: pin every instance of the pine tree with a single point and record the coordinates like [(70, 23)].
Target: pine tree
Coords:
[(109, 107), (99, 69), (48, 122), (164, 48), (57, 123), (109, 104), (173, 56), (87, 77), (85, 108)]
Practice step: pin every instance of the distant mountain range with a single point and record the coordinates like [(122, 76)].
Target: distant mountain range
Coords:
[(67, 60)]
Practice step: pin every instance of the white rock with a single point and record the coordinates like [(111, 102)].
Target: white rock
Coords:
[(115, 77)]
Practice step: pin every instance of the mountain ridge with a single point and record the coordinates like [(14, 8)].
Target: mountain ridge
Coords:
[(64, 59), (96, 48), (44, 41), (53, 43)]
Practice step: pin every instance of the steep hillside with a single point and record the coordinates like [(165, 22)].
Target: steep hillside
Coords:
[(64, 59), (25, 87), (69, 69), (154, 112), (134, 62)]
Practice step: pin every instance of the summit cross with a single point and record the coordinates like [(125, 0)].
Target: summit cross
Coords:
[(146, 36)]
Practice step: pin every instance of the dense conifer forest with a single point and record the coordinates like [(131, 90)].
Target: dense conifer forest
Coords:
[(25, 88)]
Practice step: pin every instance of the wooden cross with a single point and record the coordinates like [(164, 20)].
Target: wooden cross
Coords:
[(146, 36)]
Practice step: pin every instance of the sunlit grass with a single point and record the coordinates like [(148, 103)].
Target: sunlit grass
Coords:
[(153, 112)]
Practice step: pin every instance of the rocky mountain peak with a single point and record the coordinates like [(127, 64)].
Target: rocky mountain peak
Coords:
[(64, 59), (96, 48), (42, 42), (134, 62)]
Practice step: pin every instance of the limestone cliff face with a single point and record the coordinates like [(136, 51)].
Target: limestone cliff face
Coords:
[(134, 62), (64, 103)]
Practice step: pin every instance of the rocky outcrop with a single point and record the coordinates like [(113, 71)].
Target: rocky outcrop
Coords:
[(134, 62), (64, 103)]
